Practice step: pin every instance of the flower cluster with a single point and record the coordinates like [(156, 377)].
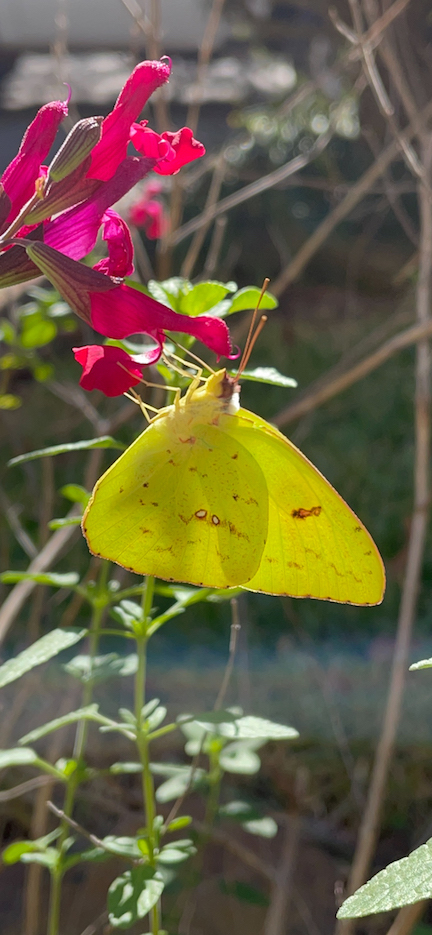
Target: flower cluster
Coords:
[(50, 218)]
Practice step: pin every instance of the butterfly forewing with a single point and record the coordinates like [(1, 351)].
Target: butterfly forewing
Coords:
[(183, 505), (316, 546)]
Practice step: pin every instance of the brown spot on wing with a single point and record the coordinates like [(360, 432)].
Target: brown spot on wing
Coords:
[(303, 513)]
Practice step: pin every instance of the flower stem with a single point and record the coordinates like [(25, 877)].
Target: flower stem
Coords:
[(142, 736), (57, 874)]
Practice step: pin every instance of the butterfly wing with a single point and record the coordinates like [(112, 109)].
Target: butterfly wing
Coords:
[(316, 546), (191, 507)]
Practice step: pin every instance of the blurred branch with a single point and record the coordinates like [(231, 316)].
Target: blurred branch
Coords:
[(24, 787), (407, 917), (275, 921), (250, 191), (11, 515), (204, 56), (212, 197), (371, 818), (215, 247), (357, 192), (316, 397), (386, 107)]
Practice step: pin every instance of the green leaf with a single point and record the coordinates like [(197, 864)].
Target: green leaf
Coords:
[(402, 883), (13, 853), (17, 756), (239, 758), (248, 727), (124, 846), (171, 854), (48, 858), (211, 717), (132, 895), (105, 441), (7, 331), (118, 768), (238, 811), (43, 372), (264, 827), (422, 664), (76, 494), (51, 579), (8, 401), (181, 822), (102, 667), (37, 331), (81, 714), (44, 649), (179, 781), (203, 297), (169, 291), (156, 718), (267, 375), (247, 298), (62, 521), (244, 892)]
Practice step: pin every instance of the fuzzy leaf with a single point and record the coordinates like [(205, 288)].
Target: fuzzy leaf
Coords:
[(247, 298), (402, 883), (132, 895), (267, 375), (105, 441), (44, 649), (17, 756), (81, 714), (51, 579), (249, 728), (422, 664)]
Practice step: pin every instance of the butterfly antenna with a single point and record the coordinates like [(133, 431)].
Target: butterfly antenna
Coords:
[(253, 335)]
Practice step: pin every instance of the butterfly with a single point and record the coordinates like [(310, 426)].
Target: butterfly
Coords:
[(212, 495)]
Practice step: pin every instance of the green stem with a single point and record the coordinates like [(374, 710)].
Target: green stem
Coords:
[(142, 736), (99, 605)]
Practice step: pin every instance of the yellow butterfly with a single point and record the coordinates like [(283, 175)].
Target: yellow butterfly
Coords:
[(212, 495)]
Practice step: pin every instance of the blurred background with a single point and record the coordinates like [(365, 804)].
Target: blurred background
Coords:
[(318, 160)]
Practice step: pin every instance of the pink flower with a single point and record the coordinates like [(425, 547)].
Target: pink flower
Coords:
[(149, 213), (116, 234), (117, 310), (183, 148), (110, 369), (111, 150), (20, 178)]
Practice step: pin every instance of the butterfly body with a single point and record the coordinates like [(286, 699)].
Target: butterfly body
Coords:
[(212, 495)]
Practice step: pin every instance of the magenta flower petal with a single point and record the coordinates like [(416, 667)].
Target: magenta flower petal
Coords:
[(20, 177), (185, 147), (109, 369), (111, 149), (74, 232), (173, 149), (124, 311), (116, 233), (149, 214), (151, 144)]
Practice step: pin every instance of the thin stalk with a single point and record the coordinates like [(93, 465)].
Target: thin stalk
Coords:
[(142, 737), (78, 753)]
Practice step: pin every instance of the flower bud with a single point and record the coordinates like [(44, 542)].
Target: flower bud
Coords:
[(77, 145), (74, 281)]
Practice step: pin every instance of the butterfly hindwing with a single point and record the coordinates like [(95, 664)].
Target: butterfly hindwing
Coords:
[(316, 546)]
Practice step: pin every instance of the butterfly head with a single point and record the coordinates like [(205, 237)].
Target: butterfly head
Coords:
[(223, 388)]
